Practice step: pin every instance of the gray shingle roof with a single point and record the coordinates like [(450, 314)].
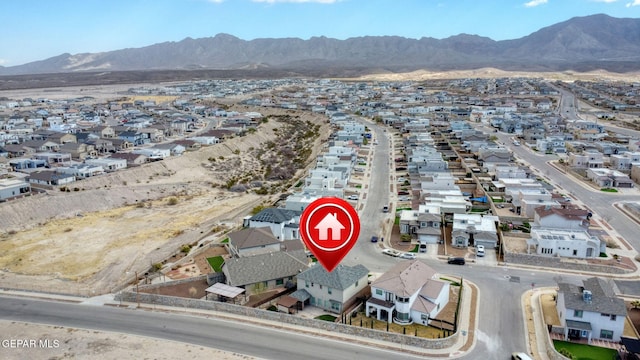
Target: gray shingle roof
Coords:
[(264, 267), (603, 298), (252, 237), (275, 215), (340, 278)]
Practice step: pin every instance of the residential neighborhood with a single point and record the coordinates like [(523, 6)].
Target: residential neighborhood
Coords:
[(436, 171)]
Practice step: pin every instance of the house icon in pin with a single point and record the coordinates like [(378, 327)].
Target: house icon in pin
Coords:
[(329, 222)]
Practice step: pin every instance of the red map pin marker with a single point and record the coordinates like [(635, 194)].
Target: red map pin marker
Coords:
[(329, 228)]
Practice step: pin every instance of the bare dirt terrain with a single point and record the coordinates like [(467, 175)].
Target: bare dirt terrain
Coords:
[(93, 240), (89, 344)]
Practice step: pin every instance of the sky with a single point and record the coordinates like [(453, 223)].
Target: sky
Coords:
[(32, 30)]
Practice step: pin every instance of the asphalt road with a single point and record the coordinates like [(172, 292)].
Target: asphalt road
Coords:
[(242, 338)]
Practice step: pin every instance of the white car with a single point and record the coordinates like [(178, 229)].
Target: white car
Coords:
[(409, 256), (480, 250), (352, 197), (391, 252)]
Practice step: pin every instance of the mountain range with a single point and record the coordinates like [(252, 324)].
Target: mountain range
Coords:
[(579, 44)]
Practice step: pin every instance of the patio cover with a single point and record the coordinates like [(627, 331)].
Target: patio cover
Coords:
[(578, 325), (302, 295), (224, 290)]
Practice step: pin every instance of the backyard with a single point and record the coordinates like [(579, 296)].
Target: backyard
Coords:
[(585, 352)]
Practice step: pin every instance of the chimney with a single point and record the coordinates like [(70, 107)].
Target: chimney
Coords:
[(587, 296)]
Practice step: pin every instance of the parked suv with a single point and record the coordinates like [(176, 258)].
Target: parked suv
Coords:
[(456, 260), (480, 250)]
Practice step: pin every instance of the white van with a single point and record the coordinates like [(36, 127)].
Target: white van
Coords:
[(480, 250)]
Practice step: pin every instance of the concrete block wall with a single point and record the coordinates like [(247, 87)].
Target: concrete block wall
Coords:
[(289, 319)]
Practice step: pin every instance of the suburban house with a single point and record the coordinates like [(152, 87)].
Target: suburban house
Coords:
[(264, 272), (546, 217), (609, 178), (591, 311), (252, 241), (473, 230), (426, 226), (333, 291), (408, 293), (131, 158), (565, 243), (50, 178), (13, 188), (284, 223)]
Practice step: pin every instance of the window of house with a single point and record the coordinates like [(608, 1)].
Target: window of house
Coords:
[(320, 287), (335, 306), (306, 284), (329, 290), (613, 317), (577, 313), (606, 334), (356, 282), (402, 316), (424, 317), (279, 281), (378, 292)]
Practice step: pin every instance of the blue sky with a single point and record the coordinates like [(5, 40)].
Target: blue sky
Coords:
[(38, 29)]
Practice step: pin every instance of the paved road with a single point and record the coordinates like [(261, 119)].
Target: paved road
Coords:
[(241, 338)]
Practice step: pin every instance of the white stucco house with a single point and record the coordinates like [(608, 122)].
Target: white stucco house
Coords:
[(565, 243), (409, 292)]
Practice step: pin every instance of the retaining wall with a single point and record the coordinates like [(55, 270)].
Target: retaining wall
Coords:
[(289, 319), (556, 262)]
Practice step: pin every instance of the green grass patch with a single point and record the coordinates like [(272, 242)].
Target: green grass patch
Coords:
[(585, 352), (602, 254), (299, 183), (216, 263), (225, 241), (415, 249), (358, 186), (326, 317), (497, 200), (609, 190), (403, 208)]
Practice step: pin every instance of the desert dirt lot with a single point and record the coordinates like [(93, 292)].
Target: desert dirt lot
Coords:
[(71, 343), (94, 240)]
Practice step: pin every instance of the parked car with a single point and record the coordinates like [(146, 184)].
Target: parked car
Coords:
[(391, 252), (403, 192), (456, 260), (352, 197), (374, 239), (520, 356), (423, 248), (409, 256), (480, 250)]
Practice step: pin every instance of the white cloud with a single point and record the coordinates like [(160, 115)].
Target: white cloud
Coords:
[(534, 3), (605, 1), (633, 3), (297, 1), (3, 62), (216, 1)]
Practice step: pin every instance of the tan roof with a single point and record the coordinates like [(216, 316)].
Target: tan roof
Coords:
[(567, 213), (405, 278)]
